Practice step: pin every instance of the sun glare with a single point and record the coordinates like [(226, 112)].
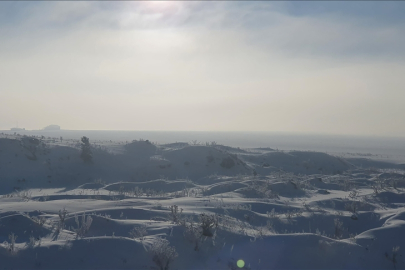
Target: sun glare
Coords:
[(160, 5)]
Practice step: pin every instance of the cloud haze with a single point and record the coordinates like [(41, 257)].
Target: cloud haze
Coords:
[(313, 67)]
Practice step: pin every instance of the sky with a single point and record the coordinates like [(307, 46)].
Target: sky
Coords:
[(318, 67)]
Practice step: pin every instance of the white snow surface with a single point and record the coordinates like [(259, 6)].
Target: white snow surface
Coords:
[(273, 209)]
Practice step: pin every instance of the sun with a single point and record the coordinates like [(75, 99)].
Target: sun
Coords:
[(160, 5)]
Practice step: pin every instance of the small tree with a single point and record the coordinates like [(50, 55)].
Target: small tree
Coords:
[(163, 254), (86, 154)]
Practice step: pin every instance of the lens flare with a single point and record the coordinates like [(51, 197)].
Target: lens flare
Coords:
[(240, 263)]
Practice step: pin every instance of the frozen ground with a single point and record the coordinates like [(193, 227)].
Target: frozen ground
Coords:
[(214, 204)]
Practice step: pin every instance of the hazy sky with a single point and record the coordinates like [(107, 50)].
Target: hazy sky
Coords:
[(313, 67)]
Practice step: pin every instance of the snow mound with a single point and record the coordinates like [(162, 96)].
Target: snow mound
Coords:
[(22, 226)]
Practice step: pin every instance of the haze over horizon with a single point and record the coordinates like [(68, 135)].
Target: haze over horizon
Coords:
[(240, 132), (299, 67)]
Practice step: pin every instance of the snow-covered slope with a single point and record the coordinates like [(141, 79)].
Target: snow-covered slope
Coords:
[(215, 206)]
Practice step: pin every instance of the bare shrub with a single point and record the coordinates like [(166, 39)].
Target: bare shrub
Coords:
[(150, 192), (121, 190), (39, 220), (297, 212), (381, 184), (353, 194), (270, 226), (185, 192), (139, 232), (338, 228), (352, 238), (163, 254), (272, 214), (271, 194), (207, 222), (393, 258), (11, 246), (394, 183), (347, 185), (307, 207), (25, 195), (83, 226), (376, 189), (212, 143), (192, 232), (32, 241), (263, 190), (99, 181), (175, 214), (195, 231), (352, 207), (318, 232), (62, 217), (138, 192)]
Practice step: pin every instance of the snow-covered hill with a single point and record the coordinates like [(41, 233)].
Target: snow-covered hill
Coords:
[(215, 205)]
